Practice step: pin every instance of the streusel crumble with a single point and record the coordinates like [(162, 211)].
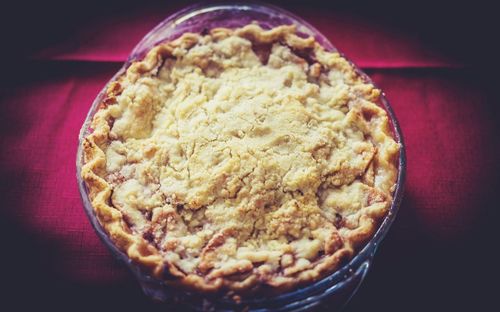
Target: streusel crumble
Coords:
[(240, 159)]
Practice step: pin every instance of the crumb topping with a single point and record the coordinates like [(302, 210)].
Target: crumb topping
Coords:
[(237, 161)]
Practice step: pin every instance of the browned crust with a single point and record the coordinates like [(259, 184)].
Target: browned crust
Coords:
[(147, 256)]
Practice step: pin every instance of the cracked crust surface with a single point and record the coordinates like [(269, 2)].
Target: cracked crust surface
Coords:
[(240, 160)]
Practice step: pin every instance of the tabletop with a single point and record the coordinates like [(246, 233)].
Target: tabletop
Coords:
[(439, 250)]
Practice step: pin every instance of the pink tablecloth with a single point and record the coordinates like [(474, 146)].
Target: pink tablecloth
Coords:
[(433, 253)]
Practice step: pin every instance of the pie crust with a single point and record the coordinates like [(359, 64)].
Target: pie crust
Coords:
[(240, 160)]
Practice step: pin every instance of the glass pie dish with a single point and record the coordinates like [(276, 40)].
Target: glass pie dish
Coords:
[(334, 290)]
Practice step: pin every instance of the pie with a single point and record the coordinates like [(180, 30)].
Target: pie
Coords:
[(240, 160)]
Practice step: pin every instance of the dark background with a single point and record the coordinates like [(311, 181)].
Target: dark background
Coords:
[(466, 30), (458, 272)]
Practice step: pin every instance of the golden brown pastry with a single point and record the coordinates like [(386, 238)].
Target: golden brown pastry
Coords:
[(239, 160)]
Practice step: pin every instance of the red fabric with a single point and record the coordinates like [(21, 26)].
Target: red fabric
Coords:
[(444, 108)]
